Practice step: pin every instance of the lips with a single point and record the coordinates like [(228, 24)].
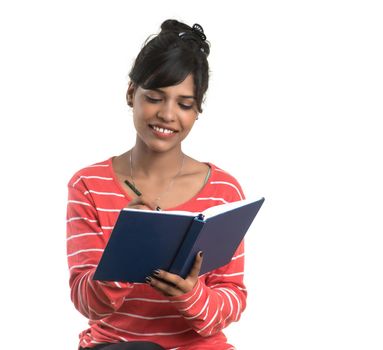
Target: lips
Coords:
[(163, 130)]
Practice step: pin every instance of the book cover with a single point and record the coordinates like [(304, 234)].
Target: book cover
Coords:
[(143, 241)]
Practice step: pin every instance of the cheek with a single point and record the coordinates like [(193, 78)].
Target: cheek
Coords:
[(188, 121), (142, 113)]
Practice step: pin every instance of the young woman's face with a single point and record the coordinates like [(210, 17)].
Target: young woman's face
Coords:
[(164, 117)]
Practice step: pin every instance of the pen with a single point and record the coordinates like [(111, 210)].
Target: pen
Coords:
[(137, 192), (133, 188)]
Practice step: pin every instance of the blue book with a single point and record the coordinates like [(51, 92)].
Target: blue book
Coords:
[(143, 241)]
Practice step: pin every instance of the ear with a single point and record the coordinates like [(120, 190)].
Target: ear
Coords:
[(130, 94)]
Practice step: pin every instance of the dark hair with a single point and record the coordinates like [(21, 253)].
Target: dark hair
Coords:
[(168, 58)]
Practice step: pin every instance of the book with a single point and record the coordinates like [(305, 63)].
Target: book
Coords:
[(144, 240)]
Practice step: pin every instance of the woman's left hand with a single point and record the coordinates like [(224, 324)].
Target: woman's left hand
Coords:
[(173, 285)]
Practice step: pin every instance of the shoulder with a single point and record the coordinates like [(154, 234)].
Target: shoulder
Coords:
[(223, 181), (96, 171), (222, 175)]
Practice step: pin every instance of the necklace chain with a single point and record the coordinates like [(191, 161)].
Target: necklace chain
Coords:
[(169, 186)]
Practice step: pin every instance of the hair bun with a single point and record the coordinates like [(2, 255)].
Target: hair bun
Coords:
[(194, 35), (172, 25)]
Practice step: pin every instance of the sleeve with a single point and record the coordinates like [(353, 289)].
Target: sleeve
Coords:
[(219, 300), (219, 297), (85, 244)]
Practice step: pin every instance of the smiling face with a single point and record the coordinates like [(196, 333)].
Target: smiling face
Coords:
[(163, 117)]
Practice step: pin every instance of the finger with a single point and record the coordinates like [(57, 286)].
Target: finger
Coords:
[(163, 287), (196, 268), (142, 202), (168, 277), (139, 202), (182, 285), (140, 207)]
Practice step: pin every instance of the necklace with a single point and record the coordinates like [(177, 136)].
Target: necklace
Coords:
[(134, 188)]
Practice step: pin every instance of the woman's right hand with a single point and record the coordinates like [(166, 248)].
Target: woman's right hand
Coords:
[(142, 203)]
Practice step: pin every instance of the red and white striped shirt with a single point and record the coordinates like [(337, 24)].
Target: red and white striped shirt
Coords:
[(135, 311)]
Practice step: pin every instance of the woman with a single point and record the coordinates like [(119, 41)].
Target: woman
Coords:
[(168, 81)]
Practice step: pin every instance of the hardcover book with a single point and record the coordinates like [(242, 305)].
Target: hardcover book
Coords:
[(143, 240)]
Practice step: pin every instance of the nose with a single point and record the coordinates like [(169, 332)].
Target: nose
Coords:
[(167, 112)]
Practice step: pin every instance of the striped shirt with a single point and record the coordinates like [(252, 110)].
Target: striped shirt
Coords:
[(135, 311)]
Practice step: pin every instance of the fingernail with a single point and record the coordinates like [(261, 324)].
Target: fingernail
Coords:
[(156, 272), (158, 209), (201, 254), (148, 279)]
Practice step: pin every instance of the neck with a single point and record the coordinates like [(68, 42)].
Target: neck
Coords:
[(148, 163)]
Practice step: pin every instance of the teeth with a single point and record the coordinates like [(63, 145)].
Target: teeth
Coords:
[(165, 131)]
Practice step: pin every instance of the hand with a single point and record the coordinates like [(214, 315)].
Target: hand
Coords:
[(173, 285), (142, 202)]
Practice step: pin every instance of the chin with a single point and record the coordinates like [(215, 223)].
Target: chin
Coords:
[(161, 147)]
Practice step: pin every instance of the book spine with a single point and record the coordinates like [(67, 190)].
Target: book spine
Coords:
[(184, 258)]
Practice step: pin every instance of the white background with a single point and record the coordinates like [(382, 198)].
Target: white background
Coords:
[(293, 112)]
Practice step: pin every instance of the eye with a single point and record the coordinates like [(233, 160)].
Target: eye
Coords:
[(185, 106), (152, 99)]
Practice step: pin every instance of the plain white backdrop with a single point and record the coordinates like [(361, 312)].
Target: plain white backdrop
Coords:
[(293, 112)]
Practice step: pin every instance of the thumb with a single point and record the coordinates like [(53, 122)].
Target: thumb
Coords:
[(196, 268)]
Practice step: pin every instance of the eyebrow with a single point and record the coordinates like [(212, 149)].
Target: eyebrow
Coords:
[(182, 96)]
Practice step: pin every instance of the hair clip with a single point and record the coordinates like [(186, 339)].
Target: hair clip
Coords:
[(197, 29), (194, 34)]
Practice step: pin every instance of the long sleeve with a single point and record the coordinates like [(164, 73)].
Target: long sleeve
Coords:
[(213, 305), (86, 240)]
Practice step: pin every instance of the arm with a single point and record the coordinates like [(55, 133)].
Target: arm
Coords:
[(213, 305), (208, 303), (85, 244)]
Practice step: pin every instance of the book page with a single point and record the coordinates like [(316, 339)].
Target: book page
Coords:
[(219, 209), (163, 212), (208, 213)]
